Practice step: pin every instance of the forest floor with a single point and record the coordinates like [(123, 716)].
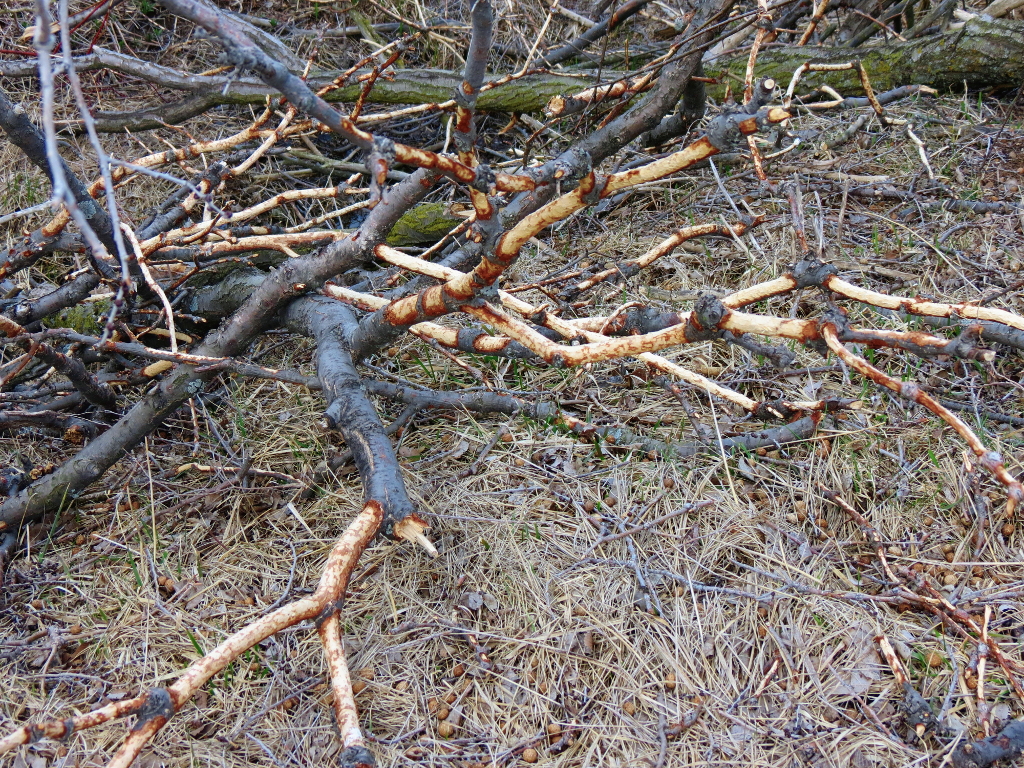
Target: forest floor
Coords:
[(741, 632)]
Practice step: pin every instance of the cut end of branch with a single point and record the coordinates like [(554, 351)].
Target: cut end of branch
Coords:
[(412, 529)]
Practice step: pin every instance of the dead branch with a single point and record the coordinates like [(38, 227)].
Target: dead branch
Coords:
[(199, 280), (1005, 745)]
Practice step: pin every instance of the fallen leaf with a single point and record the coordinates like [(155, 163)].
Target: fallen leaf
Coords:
[(854, 670)]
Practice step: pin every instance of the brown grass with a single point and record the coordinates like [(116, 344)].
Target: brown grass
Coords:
[(82, 619)]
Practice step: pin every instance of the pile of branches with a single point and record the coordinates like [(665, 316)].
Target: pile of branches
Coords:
[(195, 273)]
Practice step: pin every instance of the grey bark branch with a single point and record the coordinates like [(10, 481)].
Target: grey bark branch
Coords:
[(293, 279), (982, 53)]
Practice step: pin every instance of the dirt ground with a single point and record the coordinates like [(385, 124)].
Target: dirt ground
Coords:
[(740, 631)]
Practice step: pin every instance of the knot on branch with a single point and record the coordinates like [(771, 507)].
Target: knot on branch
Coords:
[(465, 95), (540, 317), (249, 57), (734, 123), (910, 390), (722, 132), (356, 757), (573, 169), (485, 179), (762, 93), (1006, 744), (383, 147), (990, 460), (591, 193), (836, 317), (639, 320), (38, 733), (487, 293), (158, 705), (333, 414), (810, 272), (332, 608), (965, 345), (709, 311), (378, 163), (775, 410), (916, 709)]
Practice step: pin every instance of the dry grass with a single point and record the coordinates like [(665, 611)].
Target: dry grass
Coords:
[(152, 568)]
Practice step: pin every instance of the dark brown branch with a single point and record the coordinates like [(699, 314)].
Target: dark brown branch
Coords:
[(29, 139), (48, 420), (596, 32), (691, 110), (93, 391), (386, 324), (622, 438), (672, 83), (294, 278), (348, 409), (241, 51), (1005, 745), (68, 295)]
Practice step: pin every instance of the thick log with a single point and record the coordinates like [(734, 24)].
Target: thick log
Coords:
[(980, 54)]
